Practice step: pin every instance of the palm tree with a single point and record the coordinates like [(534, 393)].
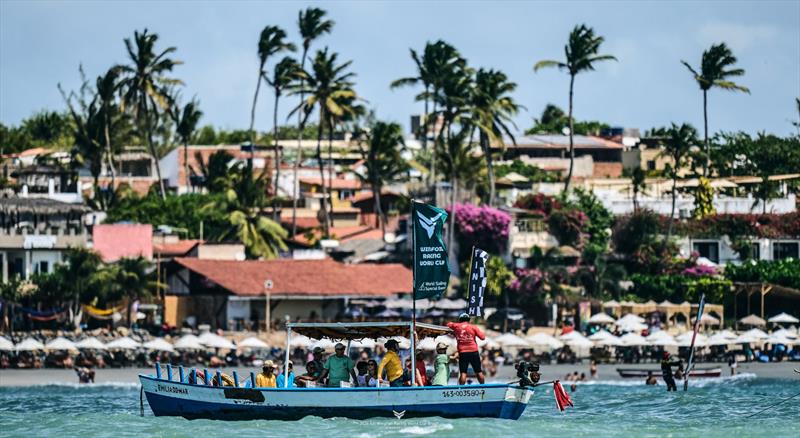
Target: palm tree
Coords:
[(715, 71), (350, 111), (216, 171), (312, 25), (284, 74), (135, 278), (383, 162), (146, 87), (638, 182), (186, 120), (678, 142), (270, 42), (327, 84), (107, 88), (581, 54), (493, 109)]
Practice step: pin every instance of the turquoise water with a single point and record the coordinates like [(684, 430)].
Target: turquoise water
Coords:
[(711, 408)]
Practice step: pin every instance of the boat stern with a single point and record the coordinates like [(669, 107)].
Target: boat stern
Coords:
[(515, 402)]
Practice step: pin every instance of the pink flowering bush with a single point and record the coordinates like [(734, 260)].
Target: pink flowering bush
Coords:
[(700, 271), (484, 227)]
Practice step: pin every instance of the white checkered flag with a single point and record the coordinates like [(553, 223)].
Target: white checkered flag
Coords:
[(477, 281)]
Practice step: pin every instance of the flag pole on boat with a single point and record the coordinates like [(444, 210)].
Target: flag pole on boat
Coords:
[(413, 296), (690, 365)]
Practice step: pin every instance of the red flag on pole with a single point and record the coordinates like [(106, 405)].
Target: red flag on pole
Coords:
[(562, 398)]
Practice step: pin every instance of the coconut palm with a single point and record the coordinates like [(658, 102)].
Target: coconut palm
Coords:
[(145, 86), (638, 182), (581, 55), (716, 67), (130, 278), (493, 109), (383, 162), (271, 41), (107, 87), (186, 120), (216, 171), (283, 75), (312, 25), (678, 143), (327, 84)]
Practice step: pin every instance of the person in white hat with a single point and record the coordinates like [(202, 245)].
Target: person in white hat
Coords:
[(442, 371)]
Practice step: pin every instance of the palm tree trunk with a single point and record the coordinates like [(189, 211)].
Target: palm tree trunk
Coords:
[(571, 139), (277, 157), (330, 167), (299, 153), (253, 115), (152, 148), (487, 150), (452, 232), (707, 163), (376, 196), (110, 154), (672, 211), (324, 188), (433, 152), (186, 162), (424, 121)]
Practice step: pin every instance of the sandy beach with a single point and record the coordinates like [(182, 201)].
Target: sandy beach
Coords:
[(606, 372)]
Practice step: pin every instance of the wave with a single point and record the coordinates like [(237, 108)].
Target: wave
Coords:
[(697, 383)]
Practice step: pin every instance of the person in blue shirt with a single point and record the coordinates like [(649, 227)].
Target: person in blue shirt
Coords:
[(282, 378)]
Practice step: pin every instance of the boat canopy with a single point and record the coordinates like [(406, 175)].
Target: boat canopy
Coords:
[(365, 330)]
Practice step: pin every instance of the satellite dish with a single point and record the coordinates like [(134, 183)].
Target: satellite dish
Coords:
[(268, 284)]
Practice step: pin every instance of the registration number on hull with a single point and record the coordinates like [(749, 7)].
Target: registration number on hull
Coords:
[(464, 393)]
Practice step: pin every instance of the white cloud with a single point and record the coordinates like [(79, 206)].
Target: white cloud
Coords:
[(740, 37)]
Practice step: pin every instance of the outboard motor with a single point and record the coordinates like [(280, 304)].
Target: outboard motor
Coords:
[(528, 373)]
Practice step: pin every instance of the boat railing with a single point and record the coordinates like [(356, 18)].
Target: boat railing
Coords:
[(191, 376)]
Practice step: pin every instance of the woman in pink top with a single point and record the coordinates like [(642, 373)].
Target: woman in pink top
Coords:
[(465, 334)]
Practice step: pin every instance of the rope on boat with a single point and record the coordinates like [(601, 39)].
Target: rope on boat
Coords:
[(141, 401), (770, 407)]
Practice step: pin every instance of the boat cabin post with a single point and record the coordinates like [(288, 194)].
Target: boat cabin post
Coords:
[(286, 355)]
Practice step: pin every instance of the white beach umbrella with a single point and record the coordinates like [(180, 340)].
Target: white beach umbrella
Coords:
[(6, 345), (61, 344), (363, 343), (189, 342), (601, 318), (685, 340), (727, 334), (252, 342), (784, 318), (301, 341), (631, 326), (719, 339), (90, 343), (604, 338), (633, 339), (507, 340), (159, 344), (427, 344), (777, 339), (785, 333), (708, 319), (216, 341), (544, 340), (483, 343), (124, 343), (658, 335), (450, 341), (746, 338), (757, 333), (325, 344), (29, 344), (631, 317), (753, 320), (579, 342), (663, 341)]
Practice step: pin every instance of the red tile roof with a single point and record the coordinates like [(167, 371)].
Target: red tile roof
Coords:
[(115, 241), (303, 277), (178, 248), (342, 234)]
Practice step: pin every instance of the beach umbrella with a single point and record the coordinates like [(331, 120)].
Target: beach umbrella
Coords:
[(785, 333), (189, 342), (633, 339), (777, 339), (784, 318), (631, 326), (29, 344), (719, 339), (753, 320), (631, 317), (485, 343), (433, 314), (613, 304), (325, 344), (746, 338), (388, 313), (685, 340), (212, 340), (658, 335), (603, 337), (124, 343), (510, 340), (579, 342), (301, 341), (6, 345), (728, 334), (427, 344), (708, 319), (448, 304), (159, 344), (756, 333), (663, 341), (544, 340), (61, 344), (90, 343), (601, 318), (363, 343), (252, 342)]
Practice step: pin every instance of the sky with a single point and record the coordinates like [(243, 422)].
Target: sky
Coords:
[(42, 43)]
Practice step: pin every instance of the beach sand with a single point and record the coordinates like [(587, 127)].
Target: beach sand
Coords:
[(606, 372)]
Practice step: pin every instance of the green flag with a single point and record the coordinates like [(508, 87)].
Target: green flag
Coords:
[(431, 273)]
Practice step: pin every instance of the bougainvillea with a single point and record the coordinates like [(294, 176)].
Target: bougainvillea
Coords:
[(700, 271), (538, 203), (484, 227), (567, 226)]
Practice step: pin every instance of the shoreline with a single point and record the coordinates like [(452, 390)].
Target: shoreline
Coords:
[(606, 373)]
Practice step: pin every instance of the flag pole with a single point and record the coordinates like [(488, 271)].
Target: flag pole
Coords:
[(690, 365), (413, 296), (469, 279)]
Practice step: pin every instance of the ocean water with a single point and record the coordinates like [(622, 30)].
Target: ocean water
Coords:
[(711, 408)]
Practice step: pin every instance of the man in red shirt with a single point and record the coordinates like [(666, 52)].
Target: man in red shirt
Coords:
[(465, 334)]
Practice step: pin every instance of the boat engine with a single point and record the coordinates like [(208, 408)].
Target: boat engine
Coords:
[(528, 373)]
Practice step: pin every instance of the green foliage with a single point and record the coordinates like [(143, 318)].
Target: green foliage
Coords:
[(533, 173), (48, 129), (498, 276), (553, 121), (678, 288), (784, 272), (703, 199)]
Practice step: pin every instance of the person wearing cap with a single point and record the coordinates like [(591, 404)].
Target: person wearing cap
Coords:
[(339, 368), (319, 354), (281, 381), (465, 334), (441, 370), (391, 363), (266, 378), (666, 371)]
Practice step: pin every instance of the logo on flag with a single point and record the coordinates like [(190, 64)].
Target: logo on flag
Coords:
[(428, 224), (477, 281), (431, 272)]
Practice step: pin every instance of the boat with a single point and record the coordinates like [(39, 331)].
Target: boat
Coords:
[(174, 395), (643, 372)]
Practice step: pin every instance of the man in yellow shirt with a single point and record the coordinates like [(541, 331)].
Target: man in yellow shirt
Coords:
[(266, 378), (391, 362)]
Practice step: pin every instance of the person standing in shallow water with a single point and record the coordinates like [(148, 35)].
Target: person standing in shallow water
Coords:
[(465, 334), (666, 371)]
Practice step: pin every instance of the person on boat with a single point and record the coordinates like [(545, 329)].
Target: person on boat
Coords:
[(372, 373), (391, 363), (266, 378), (407, 373), (442, 371), (318, 355), (281, 380), (651, 379), (422, 371), (338, 368), (465, 334), (666, 371), (310, 375), (362, 368)]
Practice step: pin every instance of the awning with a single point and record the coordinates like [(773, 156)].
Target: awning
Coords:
[(362, 330)]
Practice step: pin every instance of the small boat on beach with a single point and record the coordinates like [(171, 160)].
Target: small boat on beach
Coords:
[(643, 372), (174, 395)]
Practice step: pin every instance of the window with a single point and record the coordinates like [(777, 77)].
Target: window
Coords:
[(709, 250), (651, 164), (43, 267), (755, 250), (345, 194), (784, 250), (530, 225)]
